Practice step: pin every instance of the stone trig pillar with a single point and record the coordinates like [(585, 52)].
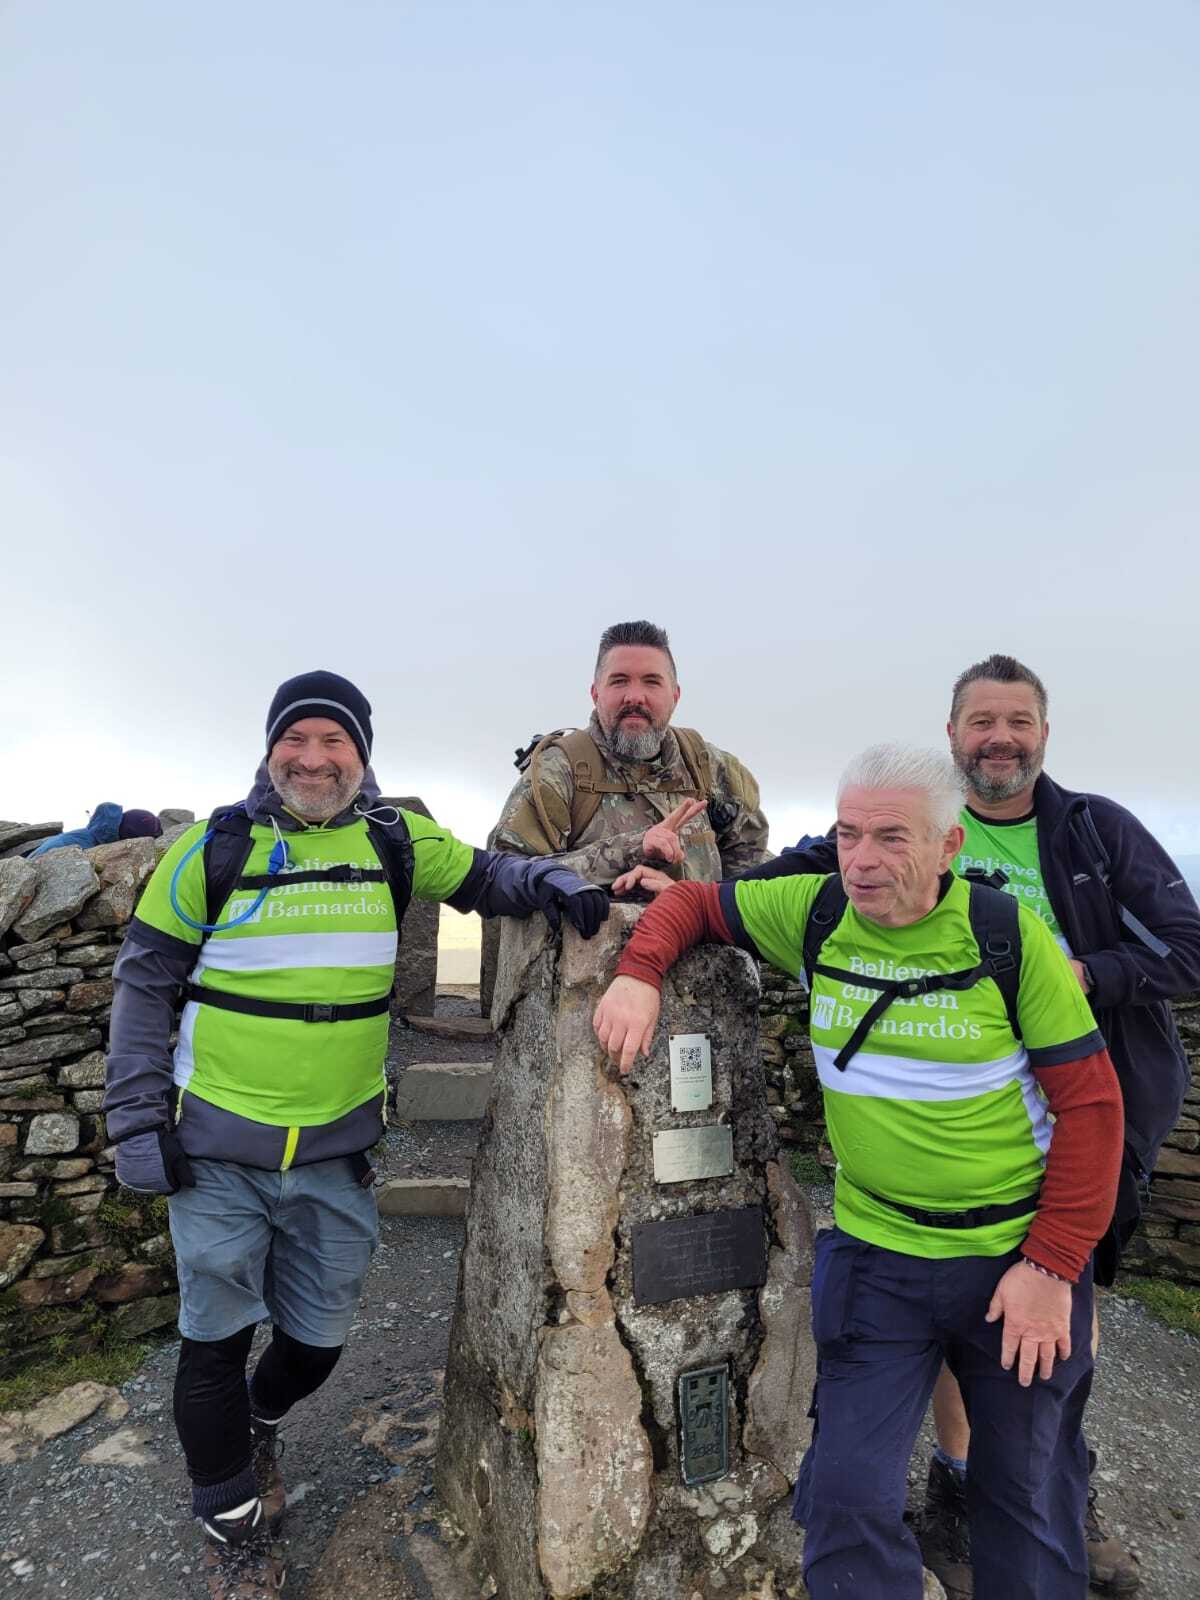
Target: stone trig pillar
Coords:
[(630, 1364)]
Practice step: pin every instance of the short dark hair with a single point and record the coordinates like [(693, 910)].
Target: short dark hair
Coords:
[(999, 669), (643, 633)]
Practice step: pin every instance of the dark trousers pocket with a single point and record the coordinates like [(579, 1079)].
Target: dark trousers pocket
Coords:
[(835, 1270)]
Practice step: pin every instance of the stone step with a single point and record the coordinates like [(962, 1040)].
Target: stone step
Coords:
[(423, 1197), (472, 1030), (443, 1091)]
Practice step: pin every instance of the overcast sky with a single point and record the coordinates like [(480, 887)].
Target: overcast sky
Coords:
[(849, 341)]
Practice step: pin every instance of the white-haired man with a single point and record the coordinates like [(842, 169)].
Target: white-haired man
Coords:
[(965, 1218)]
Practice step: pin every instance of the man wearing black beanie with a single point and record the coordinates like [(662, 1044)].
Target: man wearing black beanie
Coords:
[(278, 919)]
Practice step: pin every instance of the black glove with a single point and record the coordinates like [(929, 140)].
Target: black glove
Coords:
[(153, 1162), (565, 894)]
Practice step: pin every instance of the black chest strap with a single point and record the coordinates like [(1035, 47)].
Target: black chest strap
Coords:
[(994, 925), (285, 1010)]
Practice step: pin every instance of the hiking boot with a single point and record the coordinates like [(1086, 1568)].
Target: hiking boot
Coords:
[(1111, 1568), (942, 1532), (240, 1560), (266, 1449)]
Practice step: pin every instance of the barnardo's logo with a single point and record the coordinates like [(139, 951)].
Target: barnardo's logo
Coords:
[(822, 1013)]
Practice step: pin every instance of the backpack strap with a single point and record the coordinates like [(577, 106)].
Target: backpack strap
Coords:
[(394, 847), (1102, 866), (225, 855), (994, 927), (697, 758), (828, 909), (229, 845)]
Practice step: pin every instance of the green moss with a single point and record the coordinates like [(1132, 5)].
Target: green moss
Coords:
[(806, 1168), (55, 1213), (114, 1365), (1175, 1304)]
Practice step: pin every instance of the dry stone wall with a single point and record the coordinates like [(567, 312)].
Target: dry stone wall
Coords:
[(79, 1261), (1168, 1242)]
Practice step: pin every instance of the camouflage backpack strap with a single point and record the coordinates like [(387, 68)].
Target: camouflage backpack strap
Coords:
[(588, 782), (697, 758)]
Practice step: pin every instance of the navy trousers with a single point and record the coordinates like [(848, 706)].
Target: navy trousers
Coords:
[(883, 1323)]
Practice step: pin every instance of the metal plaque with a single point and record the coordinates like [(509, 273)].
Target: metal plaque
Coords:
[(704, 1424), (691, 1072), (703, 1254), (684, 1153)]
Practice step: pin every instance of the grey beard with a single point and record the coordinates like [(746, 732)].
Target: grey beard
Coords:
[(635, 746), (340, 797), (994, 790)]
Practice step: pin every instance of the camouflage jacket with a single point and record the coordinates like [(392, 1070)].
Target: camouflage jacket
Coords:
[(611, 843)]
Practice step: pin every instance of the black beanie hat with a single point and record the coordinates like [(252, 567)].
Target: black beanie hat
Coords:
[(322, 694)]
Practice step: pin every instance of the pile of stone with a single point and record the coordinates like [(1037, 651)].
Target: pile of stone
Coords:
[(1168, 1242), (79, 1262)]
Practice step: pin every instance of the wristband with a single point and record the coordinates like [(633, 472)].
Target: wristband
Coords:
[(1045, 1271)]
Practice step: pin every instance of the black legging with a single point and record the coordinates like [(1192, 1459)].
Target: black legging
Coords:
[(212, 1405)]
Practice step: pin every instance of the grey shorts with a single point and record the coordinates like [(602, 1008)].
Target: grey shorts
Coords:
[(292, 1246)]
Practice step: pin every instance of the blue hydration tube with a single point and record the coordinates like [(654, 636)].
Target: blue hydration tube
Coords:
[(278, 860)]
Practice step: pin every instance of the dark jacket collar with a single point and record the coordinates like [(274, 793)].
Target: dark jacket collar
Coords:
[(1052, 803)]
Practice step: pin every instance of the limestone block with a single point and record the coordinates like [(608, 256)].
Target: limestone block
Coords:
[(423, 1197), (75, 1167), (85, 1074), (141, 1316), (52, 1133), (49, 1047), (133, 1281), (443, 1091), (31, 1000), (66, 881), (54, 1291), (57, 1266), (93, 955), (18, 1246), (168, 837), (92, 1183), (174, 816), (90, 994), (18, 881), (40, 955), (595, 1462), (122, 868), (47, 978)]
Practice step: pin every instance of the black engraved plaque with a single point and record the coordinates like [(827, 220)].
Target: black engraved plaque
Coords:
[(704, 1424), (703, 1254)]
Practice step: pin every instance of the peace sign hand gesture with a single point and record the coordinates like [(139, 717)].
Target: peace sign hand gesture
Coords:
[(662, 842)]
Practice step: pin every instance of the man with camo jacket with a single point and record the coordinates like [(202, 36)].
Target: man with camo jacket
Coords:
[(630, 790)]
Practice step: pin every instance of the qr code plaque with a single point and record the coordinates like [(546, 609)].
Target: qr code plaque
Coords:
[(691, 1072)]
